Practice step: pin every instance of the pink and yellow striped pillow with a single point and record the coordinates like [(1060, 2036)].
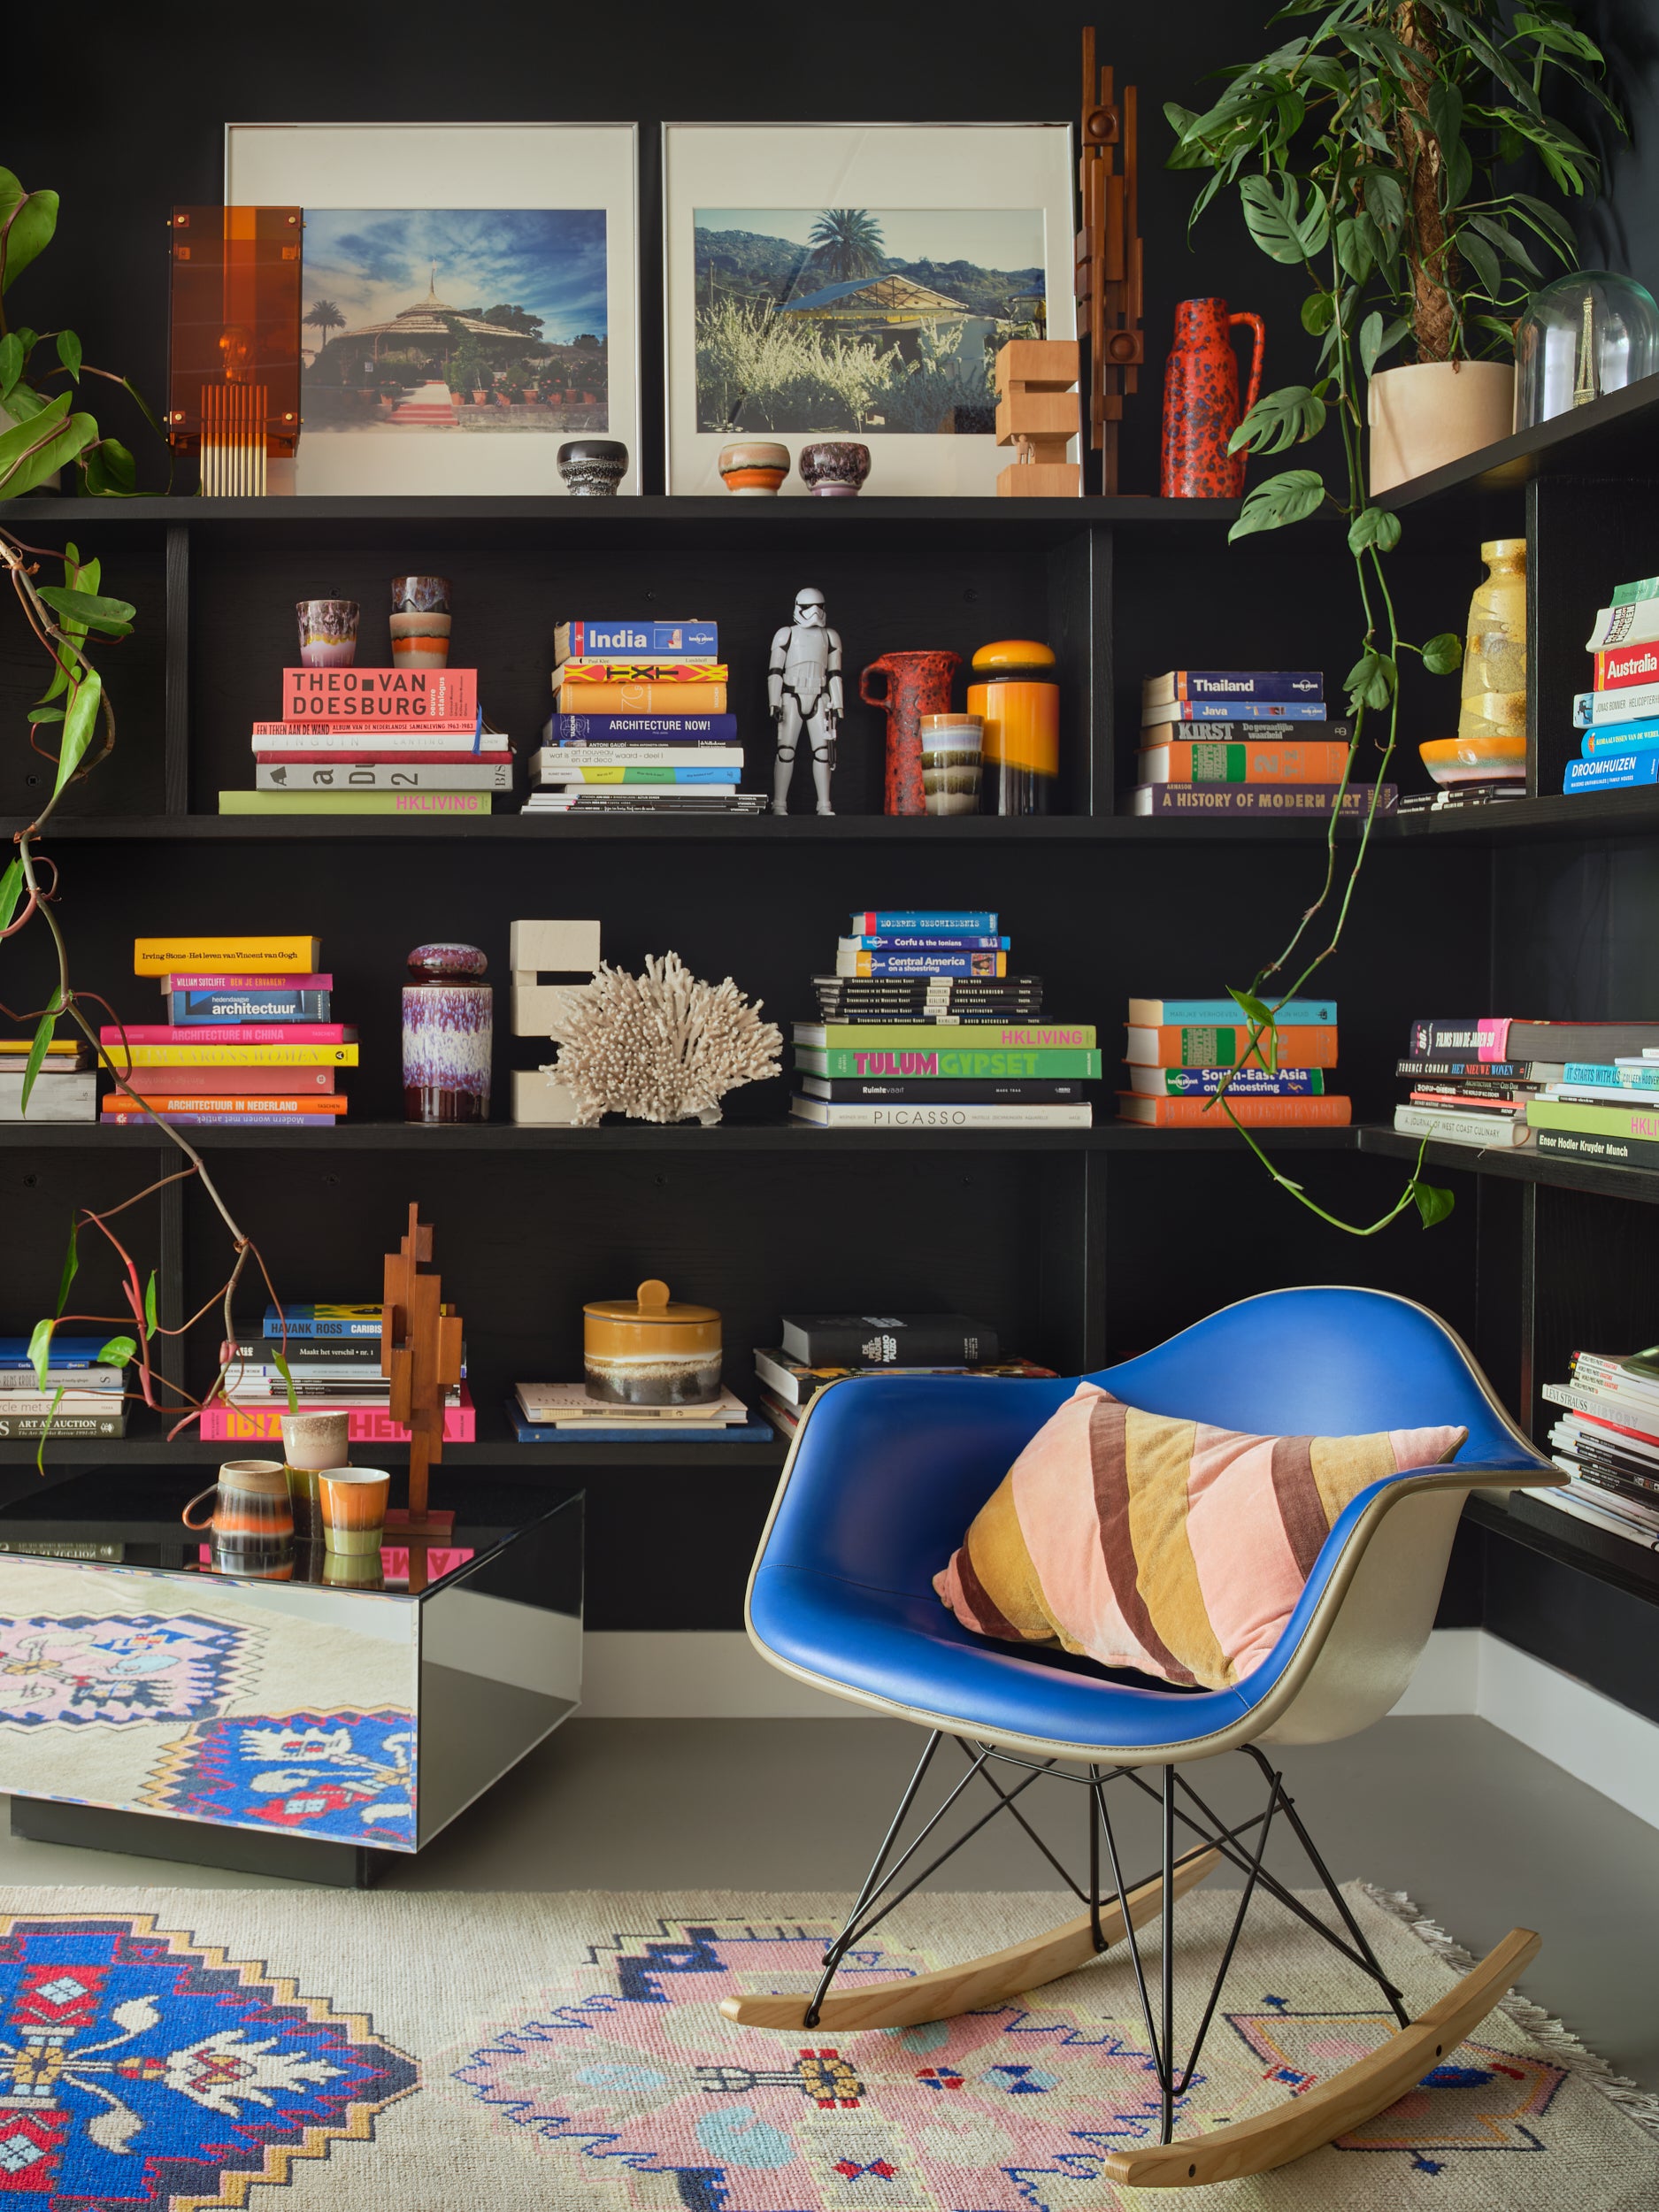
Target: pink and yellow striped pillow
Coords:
[(1166, 1546)]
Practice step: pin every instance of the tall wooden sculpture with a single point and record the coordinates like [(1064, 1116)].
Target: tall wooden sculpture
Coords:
[(420, 1350), (1109, 265)]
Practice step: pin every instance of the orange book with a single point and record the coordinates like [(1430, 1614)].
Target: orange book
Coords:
[(1253, 1111), (1276, 758), (319, 1102), (1223, 1045), (645, 698)]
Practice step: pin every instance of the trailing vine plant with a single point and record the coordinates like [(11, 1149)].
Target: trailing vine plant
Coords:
[(41, 435), (1367, 152)]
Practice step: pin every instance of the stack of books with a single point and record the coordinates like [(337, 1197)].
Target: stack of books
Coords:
[(562, 1413), (247, 1042), (640, 724), (82, 1396), (333, 1355), (376, 741), (1586, 1090), (1220, 741), (1608, 1440), (921, 1026), (1181, 1051), (65, 1088), (1619, 749), (819, 1349)]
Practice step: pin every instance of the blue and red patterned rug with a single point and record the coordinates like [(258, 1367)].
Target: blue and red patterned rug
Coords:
[(182, 2051)]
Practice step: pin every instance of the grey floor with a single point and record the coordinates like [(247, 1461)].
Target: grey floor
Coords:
[(1482, 1833)]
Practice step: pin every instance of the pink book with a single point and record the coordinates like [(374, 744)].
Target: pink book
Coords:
[(367, 1424), (231, 1034), (269, 981), (379, 695)]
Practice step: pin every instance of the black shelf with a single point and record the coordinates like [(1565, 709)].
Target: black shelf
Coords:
[(1520, 1165), (496, 1452), (723, 1137), (1568, 1541), (1615, 436), (1550, 818)]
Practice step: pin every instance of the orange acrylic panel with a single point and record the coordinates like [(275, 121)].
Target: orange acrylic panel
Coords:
[(233, 373)]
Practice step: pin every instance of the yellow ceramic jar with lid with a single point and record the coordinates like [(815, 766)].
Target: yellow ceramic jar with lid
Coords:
[(647, 1350), (1494, 654), (1017, 701)]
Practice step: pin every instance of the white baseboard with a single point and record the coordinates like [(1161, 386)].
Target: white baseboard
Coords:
[(718, 1675)]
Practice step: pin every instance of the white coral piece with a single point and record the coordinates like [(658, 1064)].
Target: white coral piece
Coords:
[(661, 1045)]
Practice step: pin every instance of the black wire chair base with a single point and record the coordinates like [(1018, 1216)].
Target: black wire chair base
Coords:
[(1243, 1845)]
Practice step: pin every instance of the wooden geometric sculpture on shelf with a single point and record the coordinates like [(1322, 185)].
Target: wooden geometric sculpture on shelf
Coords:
[(1037, 414), (1108, 260), (420, 1350)]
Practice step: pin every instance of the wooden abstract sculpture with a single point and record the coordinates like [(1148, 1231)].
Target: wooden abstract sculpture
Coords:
[(1109, 263), (420, 1350), (1037, 414)]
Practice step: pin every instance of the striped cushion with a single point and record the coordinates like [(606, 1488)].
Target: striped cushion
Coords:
[(1166, 1546)]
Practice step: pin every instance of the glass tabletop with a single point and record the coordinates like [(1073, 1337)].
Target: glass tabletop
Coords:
[(109, 1517)]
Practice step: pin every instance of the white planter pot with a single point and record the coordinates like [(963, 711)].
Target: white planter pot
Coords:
[(1423, 417)]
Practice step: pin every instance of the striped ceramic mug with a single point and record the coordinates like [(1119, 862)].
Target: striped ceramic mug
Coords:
[(351, 1505), (251, 1509)]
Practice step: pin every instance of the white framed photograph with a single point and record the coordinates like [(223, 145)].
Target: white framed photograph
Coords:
[(854, 281), (471, 298)]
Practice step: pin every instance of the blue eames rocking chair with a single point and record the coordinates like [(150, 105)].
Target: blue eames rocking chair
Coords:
[(883, 1478)]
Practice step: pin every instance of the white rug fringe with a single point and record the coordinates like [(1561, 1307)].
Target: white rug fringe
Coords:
[(1550, 2034)]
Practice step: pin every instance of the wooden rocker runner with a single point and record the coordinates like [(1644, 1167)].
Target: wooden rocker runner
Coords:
[(882, 1479)]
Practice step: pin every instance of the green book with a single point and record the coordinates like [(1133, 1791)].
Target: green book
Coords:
[(410, 803), (1610, 1120), (952, 1063), (911, 1036), (1627, 594)]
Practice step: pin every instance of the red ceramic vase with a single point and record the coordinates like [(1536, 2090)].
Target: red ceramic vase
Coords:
[(1200, 402), (917, 684)]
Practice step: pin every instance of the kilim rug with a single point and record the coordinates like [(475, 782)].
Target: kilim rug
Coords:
[(283, 2049)]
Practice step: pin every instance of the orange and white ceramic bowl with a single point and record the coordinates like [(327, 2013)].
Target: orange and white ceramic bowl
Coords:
[(1475, 759)]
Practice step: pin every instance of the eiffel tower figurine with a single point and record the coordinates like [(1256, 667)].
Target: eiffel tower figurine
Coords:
[(420, 1350)]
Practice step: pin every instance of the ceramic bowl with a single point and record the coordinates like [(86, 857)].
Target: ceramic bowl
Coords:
[(753, 467), (835, 469), (649, 1350), (593, 467), (1475, 759)]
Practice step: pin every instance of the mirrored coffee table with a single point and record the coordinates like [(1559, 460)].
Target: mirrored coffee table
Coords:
[(152, 1702)]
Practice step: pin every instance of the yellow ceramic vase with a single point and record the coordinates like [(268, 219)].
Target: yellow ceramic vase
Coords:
[(1494, 653)]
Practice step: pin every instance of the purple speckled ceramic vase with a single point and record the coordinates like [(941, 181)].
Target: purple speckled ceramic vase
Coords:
[(449, 1021)]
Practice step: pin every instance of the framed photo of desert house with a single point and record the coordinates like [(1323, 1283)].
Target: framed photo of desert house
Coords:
[(855, 281), (471, 298)]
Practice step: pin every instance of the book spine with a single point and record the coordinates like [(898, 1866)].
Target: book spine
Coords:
[(870, 1344), (941, 1117), (1446, 1036), (552, 761), (692, 677), (266, 956), (874, 964), (221, 1055), (474, 774), (1255, 1111), (1196, 761), (1627, 622), (365, 1425), (941, 923), (1601, 1072), (1489, 1070), (187, 1010), (647, 696), (1598, 1151), (1612, 1120), (129, 1120), (1299, 1013), (925, 944), (334, 737), (77, 1378), (1236, 683), (1456, 1128), (1611, 771), (198, 1102), (1223, 1045), (951, 1063), (1245, 1083), (897, 1091), (617, 729), (72, 1424), (382, 694), (1627, 668), (1628, 594), (1231, 711), (230, 1033), (354, 802), (1620, 737), (586, 637), (1309, 799), (1596, 1407), (1032, 1036), (1639, 703), (186, 981), (301, 1321), (706, 772)]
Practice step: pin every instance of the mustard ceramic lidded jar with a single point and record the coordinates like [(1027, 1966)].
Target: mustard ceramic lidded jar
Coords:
[(647, 1350), (1012, 690), (1494, 654)]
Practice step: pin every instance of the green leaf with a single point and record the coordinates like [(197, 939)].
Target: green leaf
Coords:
[(110, 470), (1318, 312), (1433, 1203), (1359, 245), (70, 1269), (37, 1055), (1291, 496), (69, 354), (41, 1348), (10, 361), (1385, 202), (45, 714), (1460, 170), (23, 403), (1484, 262), (1505, 240), (80, 723), (27, 220), (117, 1352), (1371, 680), (149, 1307), (1255, 1009), (1373, 526), (1446, 114), (1546, 218), (1273, 219), (1375, 339), (282, 1366), (112, 616), (32, 451), (1442, 654), (10, 892), (1285, 417)]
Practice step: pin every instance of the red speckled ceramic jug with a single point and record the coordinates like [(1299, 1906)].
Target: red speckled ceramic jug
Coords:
[(1200, 402), (917, 684)]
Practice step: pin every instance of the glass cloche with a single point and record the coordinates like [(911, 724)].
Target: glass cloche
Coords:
[(1584, 335)]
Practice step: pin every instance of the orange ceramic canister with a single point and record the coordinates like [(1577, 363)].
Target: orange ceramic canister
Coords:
[(647, 1350), (1017, 699)]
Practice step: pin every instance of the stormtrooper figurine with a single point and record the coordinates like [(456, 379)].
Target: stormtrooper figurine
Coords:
[(804, 686)]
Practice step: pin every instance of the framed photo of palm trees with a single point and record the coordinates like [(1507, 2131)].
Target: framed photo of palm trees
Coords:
[(470, 297), (856, 281)]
